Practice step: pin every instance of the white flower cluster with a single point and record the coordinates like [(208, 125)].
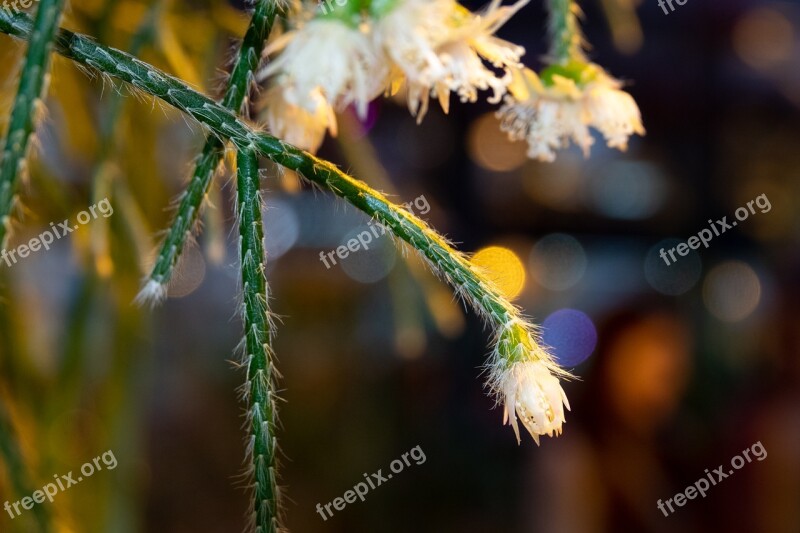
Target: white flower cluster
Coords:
[(549, 116), (435, 47)]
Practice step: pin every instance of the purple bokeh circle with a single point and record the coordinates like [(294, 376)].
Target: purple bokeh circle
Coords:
[(571, 335)]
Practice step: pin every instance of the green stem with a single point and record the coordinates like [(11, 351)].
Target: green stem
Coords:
[(258, 390), (452, 265), (239, 85), (566, 39), (32, 89)]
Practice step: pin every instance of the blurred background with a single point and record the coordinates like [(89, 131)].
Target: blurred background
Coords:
[(680, 367)]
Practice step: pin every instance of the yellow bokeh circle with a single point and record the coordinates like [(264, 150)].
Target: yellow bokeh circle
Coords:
[(504, 268)]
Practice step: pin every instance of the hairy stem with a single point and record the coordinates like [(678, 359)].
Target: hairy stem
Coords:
[(258, 389), (239, 85), (32, 88), (468, 281), (566, 39)]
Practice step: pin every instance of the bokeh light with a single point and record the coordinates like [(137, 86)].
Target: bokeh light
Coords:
[(283, 227), (572, 336), (190, 273), (491, 149), (504, 268), (558, 261), (559, 186), (628, 190), (371, 261), (763, 38), (731, 291), (674, 278)]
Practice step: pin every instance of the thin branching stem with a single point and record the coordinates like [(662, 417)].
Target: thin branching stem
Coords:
[(31, 91), (453, 266), (236, 95)]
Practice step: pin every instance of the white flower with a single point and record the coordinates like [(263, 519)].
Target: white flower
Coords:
[(613, 112), (441, 48), (534, 394), (547, 123), (329, 57), (551, 116), (295, 124)]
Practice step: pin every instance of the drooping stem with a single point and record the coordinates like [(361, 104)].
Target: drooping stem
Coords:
[(453, 266), (259, 388), (31, 92), (515, 342), (566, 39), (239, 86)]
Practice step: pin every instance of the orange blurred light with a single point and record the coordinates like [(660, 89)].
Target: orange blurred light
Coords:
[(490, 148), (763, 38)]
